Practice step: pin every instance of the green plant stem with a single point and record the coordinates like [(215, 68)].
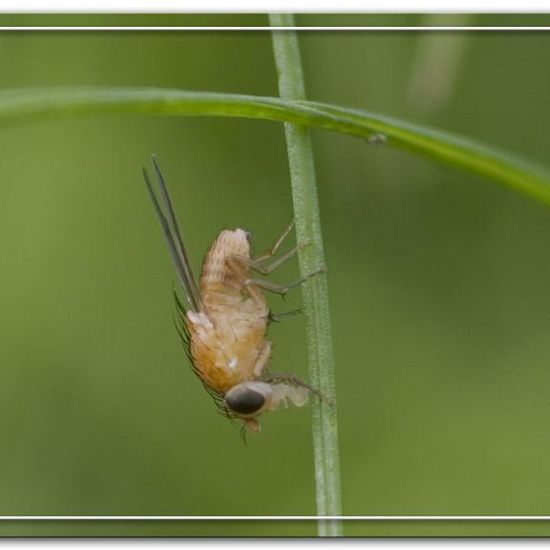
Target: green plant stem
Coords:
[(315, 291), (502, 167)]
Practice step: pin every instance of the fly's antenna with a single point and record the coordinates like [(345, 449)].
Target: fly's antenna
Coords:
[(170, 227)]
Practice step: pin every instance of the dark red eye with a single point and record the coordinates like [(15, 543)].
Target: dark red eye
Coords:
[(244, 401)]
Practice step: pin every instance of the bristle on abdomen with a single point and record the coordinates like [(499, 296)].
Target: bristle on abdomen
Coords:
[(229, 243)]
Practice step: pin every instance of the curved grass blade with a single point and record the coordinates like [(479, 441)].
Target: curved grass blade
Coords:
[(500, 166)]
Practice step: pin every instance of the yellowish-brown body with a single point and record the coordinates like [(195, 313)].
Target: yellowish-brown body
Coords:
[(227, 338), (226, 319)]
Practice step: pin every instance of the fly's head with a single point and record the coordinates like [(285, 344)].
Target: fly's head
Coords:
[(248, 400)]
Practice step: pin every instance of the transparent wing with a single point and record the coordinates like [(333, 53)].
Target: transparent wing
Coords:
[(171, 229)]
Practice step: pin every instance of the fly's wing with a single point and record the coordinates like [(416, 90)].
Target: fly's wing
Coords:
[(170, 227), (169, 223)]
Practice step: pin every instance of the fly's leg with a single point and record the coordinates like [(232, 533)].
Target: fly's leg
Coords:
[(239, 267), (241, 264), (281, 377), (273, 250), (282, 289), (260, 267), (277, 317), (263, 269), (284, 378), (258, 262)]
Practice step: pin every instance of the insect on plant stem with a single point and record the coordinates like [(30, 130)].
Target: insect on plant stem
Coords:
[(224, 323)]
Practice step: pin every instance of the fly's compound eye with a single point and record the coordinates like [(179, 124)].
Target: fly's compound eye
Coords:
[(244, 400)]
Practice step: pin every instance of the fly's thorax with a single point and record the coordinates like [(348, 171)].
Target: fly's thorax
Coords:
[(230, 243)]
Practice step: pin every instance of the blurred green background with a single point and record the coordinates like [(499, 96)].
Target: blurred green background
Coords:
[(438, 279)]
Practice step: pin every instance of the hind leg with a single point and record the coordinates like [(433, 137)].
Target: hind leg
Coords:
[(273, 250), (258, 263)]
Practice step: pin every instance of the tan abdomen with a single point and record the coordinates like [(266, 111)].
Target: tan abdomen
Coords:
[(215, 270), (228, 336)]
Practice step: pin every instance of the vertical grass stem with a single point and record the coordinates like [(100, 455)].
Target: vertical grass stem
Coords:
[(315, 291)]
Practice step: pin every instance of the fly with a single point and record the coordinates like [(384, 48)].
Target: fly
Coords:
[(224, 320)]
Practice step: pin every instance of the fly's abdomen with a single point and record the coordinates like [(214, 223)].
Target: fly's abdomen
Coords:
[(217, 271)]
